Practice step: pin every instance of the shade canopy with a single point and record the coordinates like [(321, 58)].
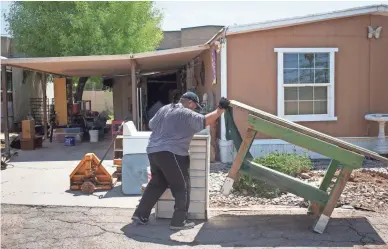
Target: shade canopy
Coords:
[(109, 65)]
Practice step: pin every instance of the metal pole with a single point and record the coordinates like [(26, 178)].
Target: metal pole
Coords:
[(44, 88), (137, 118), (134, 92), (5, 107), (141, 110)]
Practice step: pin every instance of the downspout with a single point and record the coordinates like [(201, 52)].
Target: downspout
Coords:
[(224, 80)]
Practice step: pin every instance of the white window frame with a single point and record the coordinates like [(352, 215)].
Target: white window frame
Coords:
[(330, 93)]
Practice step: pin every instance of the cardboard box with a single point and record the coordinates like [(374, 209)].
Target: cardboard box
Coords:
[(28, 129), (27, 144)]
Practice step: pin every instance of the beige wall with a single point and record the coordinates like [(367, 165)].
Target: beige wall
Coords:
[(198, 35), (213, 91), (101, 100), (360, 70), (122, 98), (6, 46), (171, 39), (188, 36), (23, 90), (208, 87)]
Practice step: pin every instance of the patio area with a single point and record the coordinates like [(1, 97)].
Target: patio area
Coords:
[(41, 177)]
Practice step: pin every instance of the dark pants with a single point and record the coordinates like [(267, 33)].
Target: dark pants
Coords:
[(167, 170)]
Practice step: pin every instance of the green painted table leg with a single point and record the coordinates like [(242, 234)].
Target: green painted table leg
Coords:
[(335, 193), (325, 183)]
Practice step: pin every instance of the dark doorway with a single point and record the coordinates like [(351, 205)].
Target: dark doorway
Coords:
[(160, 87)]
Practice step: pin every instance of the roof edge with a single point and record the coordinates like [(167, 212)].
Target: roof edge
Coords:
[(86, 58), (369, 9)]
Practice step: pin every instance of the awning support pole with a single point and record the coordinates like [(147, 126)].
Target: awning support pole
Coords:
[(134, 91), (44, 88), (5, 107)]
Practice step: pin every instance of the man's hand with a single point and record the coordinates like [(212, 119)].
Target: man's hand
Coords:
[(212, 117), (224, 103)]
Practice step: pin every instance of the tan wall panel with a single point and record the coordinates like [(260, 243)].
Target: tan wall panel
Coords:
[(252, 70), (101, 100), (60, 100), (378, 72)]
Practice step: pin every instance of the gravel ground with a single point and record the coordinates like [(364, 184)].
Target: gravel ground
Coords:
[(367, 189)]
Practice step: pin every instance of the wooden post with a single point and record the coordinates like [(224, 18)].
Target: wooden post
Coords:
[(134, 93), (336, 192), (325, 183), (5, 107), (44, 90), (238, 161)]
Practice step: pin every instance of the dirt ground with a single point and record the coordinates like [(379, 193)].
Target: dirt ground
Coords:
[(367, 189)]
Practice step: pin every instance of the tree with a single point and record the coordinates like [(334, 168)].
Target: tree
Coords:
[(77, 28)]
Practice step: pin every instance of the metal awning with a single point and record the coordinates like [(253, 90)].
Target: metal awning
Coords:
[(109, 65)]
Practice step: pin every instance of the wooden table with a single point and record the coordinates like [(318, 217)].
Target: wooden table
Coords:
[(322, 202)]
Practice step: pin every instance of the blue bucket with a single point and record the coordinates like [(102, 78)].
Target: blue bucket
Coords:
[(69, 141)]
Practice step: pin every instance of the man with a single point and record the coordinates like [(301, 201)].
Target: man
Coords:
[(173, 128)]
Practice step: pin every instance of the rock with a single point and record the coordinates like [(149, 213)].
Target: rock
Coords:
[(245, 192), (347, 207), (305, 176)]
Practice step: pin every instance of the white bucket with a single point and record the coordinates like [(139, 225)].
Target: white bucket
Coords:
[(226, 150), (93, 136)]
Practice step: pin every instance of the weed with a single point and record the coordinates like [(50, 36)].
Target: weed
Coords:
[(288, 163)]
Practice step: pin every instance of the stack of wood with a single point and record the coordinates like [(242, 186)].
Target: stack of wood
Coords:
[(29, 140)]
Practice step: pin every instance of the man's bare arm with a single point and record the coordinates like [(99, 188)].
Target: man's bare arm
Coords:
[(212, 117)]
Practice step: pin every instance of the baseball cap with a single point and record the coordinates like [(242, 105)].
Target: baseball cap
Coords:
[(193, 97)]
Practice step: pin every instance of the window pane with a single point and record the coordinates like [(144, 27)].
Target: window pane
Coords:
[(306, 60), (306, 93), (290, 60), (320, 93), (290, 76), (290, 93), (320, 107), (322, 60), (306, 107), (306, 75), (322, 76), (291, 108)]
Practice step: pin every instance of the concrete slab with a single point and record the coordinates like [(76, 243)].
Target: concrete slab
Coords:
[(72, 227), (41, 177)]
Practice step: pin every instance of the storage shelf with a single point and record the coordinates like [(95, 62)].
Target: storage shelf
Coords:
[(199, 173), (118, 147)]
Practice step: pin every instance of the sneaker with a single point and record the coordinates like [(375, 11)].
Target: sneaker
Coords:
[(140, 220), (185, 225)]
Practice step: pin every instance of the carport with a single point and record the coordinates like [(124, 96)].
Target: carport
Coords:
[(100, 65)]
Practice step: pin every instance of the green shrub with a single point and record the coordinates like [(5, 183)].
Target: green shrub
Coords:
[(288, 163)]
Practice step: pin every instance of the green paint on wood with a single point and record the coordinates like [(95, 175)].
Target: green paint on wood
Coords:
[(326, 180), (285, 182), (348, 158), (232, 133), (325, 183)]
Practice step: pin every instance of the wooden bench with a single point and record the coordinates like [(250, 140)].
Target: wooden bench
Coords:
[(322, 203)]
